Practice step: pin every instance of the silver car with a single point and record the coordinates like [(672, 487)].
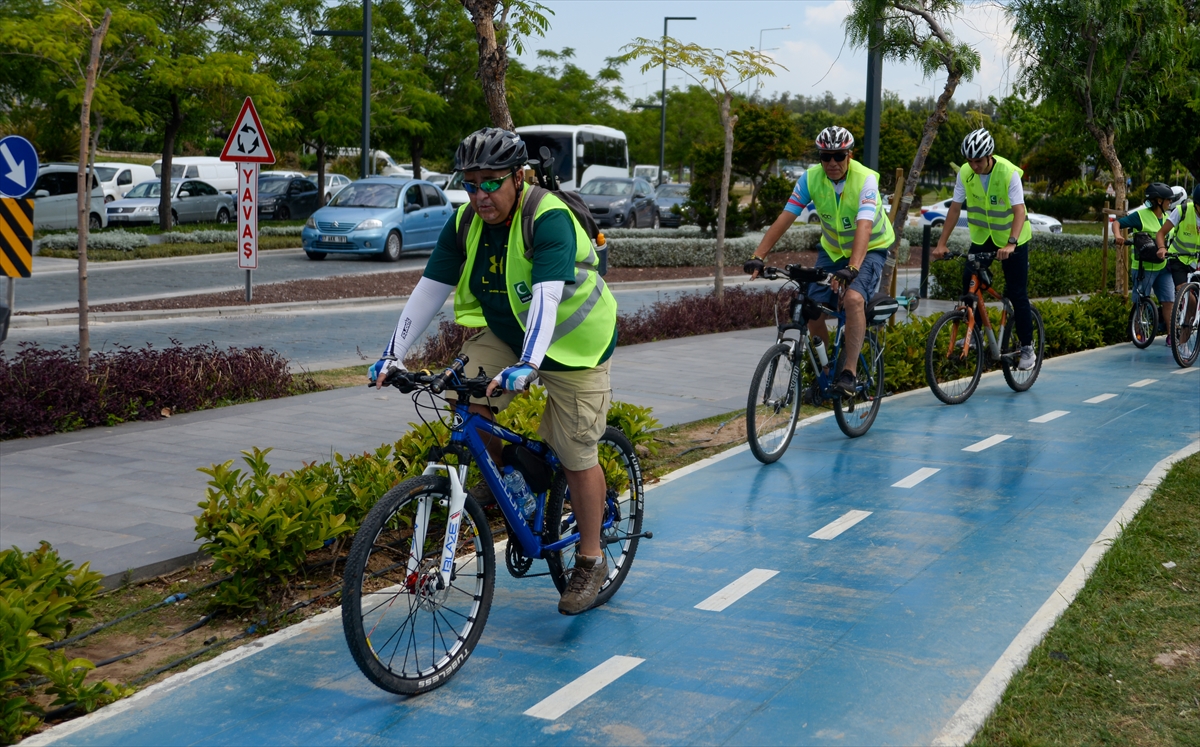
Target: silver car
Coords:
[(192, 201)]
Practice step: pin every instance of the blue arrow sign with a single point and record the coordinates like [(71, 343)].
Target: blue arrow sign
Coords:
[(18, 166)]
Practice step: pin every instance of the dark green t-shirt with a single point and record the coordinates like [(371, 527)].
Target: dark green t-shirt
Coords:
[(553, 259)]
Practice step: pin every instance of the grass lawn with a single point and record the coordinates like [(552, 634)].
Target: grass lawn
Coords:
[(1122, 665), (157, 251), (1084, 229)]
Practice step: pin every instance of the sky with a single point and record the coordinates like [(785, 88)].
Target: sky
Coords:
[(813, 50)]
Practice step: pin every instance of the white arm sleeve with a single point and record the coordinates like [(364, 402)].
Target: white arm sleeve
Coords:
[(1016, 194), (424, 303), (960, 191), (539, 330), (868, 199)]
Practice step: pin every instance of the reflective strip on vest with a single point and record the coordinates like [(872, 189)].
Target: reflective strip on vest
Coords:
[(1185, 239), (984, 219)]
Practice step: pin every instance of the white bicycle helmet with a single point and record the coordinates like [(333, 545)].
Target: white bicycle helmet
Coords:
[(978, 144), (1178, 195), (835, 138)]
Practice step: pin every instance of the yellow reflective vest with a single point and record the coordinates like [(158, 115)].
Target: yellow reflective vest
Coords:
[(990, 214), (839, 218)]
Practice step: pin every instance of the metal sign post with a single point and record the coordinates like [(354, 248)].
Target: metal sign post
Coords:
[(247, 146)]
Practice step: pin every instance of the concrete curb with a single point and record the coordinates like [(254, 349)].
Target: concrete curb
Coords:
[(102, 317)]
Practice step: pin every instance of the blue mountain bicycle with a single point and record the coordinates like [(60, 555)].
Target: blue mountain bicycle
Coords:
[(420, 576), (779, 386)]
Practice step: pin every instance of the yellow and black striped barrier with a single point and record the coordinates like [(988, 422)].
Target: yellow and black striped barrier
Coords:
[(16, 237)]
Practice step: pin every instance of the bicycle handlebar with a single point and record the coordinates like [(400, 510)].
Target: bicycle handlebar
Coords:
[(449, 378), (799, 273), (973, 256)]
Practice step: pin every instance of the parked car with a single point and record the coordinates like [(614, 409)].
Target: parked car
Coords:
[(438, 180), (192, 201), (935, 215), (333, 183), (119, 178), (286, 199), (55, 199), (454, 191), (282, 174), (217, 173), (808, 214), (1040, 223), (380, 216), (668, 196), (621, 203)]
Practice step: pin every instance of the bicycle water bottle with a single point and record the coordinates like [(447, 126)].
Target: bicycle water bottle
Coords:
[(514, 483), (822, 356)]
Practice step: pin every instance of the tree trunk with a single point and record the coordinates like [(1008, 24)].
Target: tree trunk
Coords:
[(416, 148), (932, 123), (174, 124), (493, 61), (728, 121), (1106, 139), (84, 186), (320, 148)]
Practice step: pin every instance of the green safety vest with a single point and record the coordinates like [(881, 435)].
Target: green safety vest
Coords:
[(839, 218), (587, 312), (990, 214), (1185, 238), (1150, 224)]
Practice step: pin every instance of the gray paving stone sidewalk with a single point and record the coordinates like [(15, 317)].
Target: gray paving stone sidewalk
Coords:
[(124, 498)]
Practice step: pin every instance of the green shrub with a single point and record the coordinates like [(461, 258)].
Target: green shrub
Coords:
[(695, 250), (1052, 272), (41, 595), (118, 240)]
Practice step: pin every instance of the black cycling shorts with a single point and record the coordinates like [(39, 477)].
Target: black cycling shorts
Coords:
[(1179, 270)]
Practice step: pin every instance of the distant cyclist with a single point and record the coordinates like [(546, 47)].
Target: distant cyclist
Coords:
[(547, 315), (1180, 235), (991, 188), (1149, 218), (855, 236)]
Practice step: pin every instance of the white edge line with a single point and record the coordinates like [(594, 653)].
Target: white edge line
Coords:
[(972, 714), (575, 692), (230, 657)]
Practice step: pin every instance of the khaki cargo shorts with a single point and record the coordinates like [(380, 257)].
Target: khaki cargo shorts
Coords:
[(576, 401)]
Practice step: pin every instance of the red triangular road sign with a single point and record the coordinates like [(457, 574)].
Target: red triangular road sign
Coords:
[(247, 141)]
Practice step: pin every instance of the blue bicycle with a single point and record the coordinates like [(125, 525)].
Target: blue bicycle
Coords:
[(779, 387), (420, 576)]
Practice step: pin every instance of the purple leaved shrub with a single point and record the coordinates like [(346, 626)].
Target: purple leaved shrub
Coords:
[(45, 391), (698, 314)]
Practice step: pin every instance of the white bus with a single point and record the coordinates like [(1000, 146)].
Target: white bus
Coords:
[(581, 152)]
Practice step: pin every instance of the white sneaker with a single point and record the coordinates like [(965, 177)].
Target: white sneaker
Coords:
[(1028, 359)]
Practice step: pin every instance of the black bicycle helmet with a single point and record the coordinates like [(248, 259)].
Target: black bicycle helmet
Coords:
[(490, 148), (1158, 191)]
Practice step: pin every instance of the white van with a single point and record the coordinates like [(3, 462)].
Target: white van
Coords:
[(55, 199), (118, 178), (385, 165), (218, 173)]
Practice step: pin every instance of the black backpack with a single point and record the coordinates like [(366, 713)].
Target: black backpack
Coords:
[(549, 185)]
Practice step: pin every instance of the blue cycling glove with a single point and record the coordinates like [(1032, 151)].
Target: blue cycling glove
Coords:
[(382, 368), (517, 378)]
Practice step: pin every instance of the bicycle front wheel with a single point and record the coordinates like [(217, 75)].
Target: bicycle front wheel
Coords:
[(1010, 353), (774, 403), (952, 368), (1184, 330), (1143, 323), (855, 414), (624, 503), (408, 631)]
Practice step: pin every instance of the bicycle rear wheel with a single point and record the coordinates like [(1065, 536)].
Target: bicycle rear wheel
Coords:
[(624, 503), (952, 371), (774, 403), (1184, 331), (1143, 323), (855, 414), (406, 631), (1010, 353)]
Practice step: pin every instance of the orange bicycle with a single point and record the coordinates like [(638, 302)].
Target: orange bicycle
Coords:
[(956, 353)]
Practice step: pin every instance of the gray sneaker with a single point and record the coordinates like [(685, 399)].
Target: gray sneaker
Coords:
[(583, 583), (1028, 359)]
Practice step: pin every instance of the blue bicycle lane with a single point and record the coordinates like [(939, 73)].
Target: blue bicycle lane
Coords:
[(875, 634)]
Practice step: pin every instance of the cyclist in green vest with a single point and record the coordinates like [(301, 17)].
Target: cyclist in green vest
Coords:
[(1180, 236), (855, 236), (1154, 276), (991, 188), (546, 314)]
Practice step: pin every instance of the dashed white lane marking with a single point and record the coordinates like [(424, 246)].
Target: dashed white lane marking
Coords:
[(1142, 383), (580, 689), (736, 590), (839, 525), (1052, 415), (987, 443), (917, 477), (1098, 399), (1191, 369)]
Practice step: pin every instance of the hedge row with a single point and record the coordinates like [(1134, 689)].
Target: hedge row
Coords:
[(1051, 273), (698, 250), (125, 241)]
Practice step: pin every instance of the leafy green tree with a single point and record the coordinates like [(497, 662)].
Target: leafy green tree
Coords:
[(498, 25), (763, 136), (1113, 59), (718, 72)]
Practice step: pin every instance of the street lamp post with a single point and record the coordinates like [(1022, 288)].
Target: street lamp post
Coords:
[(662, 101), (365, 33), (760, 46)]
